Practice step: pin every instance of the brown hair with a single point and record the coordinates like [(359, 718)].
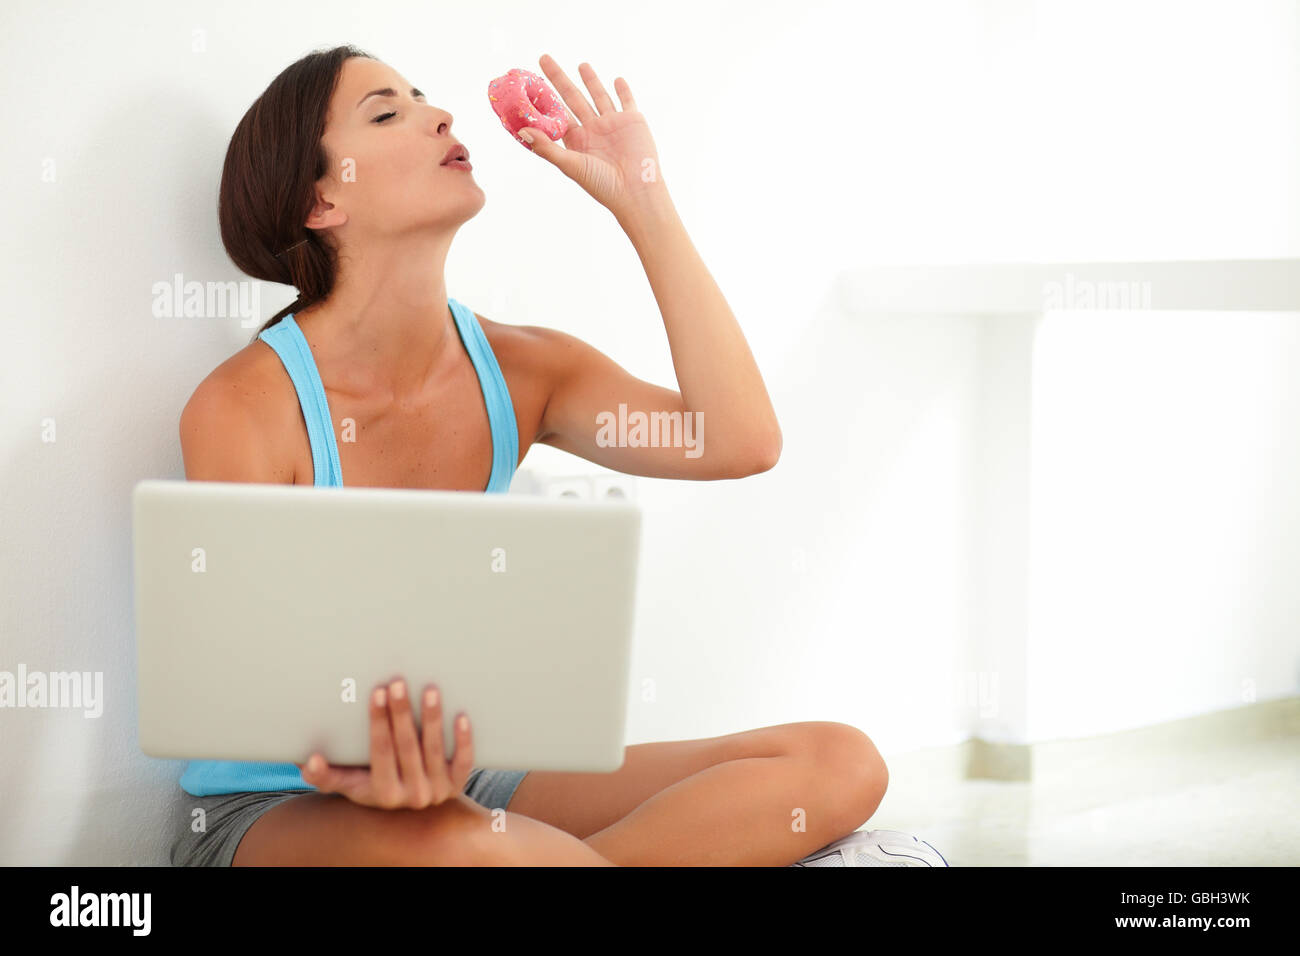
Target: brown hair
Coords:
[(268, 182)]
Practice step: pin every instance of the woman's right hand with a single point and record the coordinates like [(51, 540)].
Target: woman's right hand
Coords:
[(405, 772)]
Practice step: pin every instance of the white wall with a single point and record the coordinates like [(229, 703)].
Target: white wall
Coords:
[(1166, 462), (836, 586)]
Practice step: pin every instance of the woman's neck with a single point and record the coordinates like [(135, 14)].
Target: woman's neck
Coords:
[(386, 326)]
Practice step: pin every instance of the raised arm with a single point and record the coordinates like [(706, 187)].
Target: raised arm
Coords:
[(599, 411), (610, 153)]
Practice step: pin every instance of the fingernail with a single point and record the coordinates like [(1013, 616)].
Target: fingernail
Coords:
[(464, 722), (399, 690), (380, 697), (431, 697), (526, 136)]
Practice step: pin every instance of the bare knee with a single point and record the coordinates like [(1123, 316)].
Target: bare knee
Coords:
[(852, 769), (462, 833), (459, 832)]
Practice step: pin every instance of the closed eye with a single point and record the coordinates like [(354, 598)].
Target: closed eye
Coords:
[(382, 117)]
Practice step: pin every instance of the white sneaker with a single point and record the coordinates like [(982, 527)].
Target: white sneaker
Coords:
[(875, 848)]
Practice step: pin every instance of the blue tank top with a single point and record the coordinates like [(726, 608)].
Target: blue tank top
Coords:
[(206, 777)]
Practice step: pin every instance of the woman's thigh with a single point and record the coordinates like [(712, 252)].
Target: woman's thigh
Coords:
[(583, 803), (326, 829)]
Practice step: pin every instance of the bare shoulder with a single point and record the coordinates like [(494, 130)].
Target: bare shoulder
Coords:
[(253, 377), (504, 337), (533, 348), (526, 353), (239, 422)]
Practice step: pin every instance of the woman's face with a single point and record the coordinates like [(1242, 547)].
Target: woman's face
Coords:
[(385, 152)]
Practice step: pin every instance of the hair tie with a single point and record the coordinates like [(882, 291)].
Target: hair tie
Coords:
[(294, 246)]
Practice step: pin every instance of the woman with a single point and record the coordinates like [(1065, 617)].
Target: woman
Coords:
[(335, 182)]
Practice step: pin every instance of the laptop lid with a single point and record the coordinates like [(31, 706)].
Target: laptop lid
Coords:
[(266, 614)]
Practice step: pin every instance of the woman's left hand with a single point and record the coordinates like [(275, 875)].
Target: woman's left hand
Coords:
[(607, 151)]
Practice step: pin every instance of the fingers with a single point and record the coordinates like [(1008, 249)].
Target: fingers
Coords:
[(568, 161), (328, 778), (384, 778), (404, 770), (434, 760), (410, 759), (448, 778), (462, 761), (597, 89), (568, 92), (573, 122), (624, 94)]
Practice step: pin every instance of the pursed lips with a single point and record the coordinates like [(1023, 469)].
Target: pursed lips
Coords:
[(459, 151)]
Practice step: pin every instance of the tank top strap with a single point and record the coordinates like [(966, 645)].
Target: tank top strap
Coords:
[(291, 345), (496, 395)]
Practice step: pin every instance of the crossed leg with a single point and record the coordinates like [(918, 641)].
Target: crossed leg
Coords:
[(764, 797)]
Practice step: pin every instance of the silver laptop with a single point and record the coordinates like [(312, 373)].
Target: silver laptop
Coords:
[(265, 614)]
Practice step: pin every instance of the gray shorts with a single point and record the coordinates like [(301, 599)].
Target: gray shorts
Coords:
[(227, 816)]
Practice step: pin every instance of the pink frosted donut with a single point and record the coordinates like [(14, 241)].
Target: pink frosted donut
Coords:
[(524, 99)]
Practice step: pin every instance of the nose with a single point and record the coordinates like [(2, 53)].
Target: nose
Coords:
[(440, 119)]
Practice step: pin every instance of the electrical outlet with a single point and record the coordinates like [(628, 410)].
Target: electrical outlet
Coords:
[(614, 487), (570, 486), (601, 487)]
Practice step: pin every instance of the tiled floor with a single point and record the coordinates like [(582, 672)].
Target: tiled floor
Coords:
[(1228, 804)]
